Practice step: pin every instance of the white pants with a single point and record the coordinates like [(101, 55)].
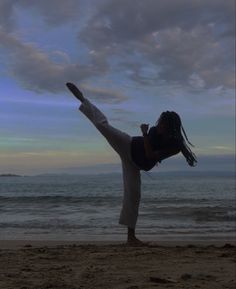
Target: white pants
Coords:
[(121, 143)]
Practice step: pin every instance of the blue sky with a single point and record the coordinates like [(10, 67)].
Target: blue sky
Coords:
[(134, 59)]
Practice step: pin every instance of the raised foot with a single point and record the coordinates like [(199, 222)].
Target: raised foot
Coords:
[(76, 92)]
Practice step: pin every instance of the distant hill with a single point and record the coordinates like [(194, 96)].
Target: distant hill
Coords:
[(9, 175)]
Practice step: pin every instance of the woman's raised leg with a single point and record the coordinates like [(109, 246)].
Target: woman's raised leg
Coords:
[(119, 140)]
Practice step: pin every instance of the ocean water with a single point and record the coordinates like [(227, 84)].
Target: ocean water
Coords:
[(87, 207)]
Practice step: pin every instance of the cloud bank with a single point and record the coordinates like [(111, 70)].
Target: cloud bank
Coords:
[(183, 39), (190, 43)]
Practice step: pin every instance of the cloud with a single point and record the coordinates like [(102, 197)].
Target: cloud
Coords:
[(98, 94), (125, 119), (33, 68), (181, 38), (36, 71), (53, 12), (6, 14), (164, 42)]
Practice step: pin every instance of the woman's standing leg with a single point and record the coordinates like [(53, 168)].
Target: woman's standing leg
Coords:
[(131, 199)]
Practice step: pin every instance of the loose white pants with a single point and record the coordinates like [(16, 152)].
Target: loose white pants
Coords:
[(121, 143)]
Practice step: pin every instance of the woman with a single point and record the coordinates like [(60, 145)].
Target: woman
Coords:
[(138, 153)]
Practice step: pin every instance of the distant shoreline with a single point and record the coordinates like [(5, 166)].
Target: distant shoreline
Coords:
[(151, 173), (10, 175)]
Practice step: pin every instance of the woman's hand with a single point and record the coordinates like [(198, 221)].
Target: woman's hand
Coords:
[(144, 128)]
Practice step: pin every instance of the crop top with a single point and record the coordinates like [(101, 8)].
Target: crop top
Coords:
[(157, 143)]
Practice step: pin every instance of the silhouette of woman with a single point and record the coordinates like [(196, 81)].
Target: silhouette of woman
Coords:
[(138, 153)]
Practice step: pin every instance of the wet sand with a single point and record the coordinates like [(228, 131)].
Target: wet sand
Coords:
[(114, 265)]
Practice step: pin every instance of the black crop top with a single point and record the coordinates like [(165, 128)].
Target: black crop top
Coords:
[(157, 143)]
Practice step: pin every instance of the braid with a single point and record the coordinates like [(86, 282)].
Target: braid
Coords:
[(186, 136)]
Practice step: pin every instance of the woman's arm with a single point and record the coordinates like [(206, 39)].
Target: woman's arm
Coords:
[(150, 153), (147, 146)]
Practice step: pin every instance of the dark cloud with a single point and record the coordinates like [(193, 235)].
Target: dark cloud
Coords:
[(180, 37), (6, 14), (54, 12), (125, 21)]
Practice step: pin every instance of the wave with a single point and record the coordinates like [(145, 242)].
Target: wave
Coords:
[(93, 197), (55, 198)]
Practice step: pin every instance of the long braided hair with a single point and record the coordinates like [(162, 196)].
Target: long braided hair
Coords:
[(175, 129)]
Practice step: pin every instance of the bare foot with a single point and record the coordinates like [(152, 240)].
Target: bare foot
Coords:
[(74, 89), (133, 241)]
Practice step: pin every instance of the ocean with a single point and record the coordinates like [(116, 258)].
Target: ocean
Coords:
[(87, 207)]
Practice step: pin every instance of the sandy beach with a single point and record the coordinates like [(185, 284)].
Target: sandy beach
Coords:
[(71, 265)]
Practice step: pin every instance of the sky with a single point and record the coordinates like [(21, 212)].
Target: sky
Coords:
[(133, 59)]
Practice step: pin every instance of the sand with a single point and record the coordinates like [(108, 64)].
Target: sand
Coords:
[(44, 265)]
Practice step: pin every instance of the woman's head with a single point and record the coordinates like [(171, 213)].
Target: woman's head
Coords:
[(170, 124)]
